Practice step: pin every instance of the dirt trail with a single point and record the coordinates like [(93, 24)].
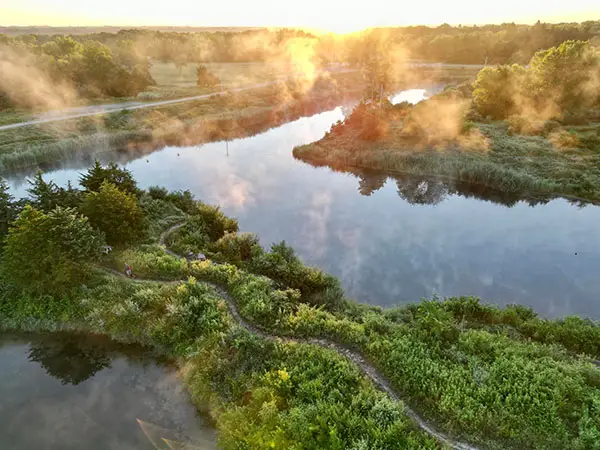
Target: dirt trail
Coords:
[(95, 110), (366, 367)]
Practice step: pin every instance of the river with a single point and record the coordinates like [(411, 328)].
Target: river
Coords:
[(72, 391), (390, 241)]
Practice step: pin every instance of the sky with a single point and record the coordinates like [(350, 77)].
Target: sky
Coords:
[(330, 15)]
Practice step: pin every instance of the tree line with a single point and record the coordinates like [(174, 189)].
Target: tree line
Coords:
[(117, 64)]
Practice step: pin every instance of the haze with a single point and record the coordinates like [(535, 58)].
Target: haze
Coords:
[(333, 15)]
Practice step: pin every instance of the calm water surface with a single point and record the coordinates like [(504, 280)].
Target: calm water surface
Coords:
[(390, 241), (63, 392)]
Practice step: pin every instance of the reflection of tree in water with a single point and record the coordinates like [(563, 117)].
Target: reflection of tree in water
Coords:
[(71, 359), (420, 191), (370, 182)]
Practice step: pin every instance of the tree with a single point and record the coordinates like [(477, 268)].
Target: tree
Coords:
[(47, 195), (7, 209), (567, 74), (97, 175), (115, 213), (376, 66), (204, 78), (50, 253), (498, 91), (44, 194)]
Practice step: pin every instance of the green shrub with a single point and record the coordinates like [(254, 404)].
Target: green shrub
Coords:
[(50, 253), (116, 213), (236, 248), (214, 222), (283, 266)]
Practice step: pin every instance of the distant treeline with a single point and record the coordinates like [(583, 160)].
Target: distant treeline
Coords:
[(505, 43), (117, 64)]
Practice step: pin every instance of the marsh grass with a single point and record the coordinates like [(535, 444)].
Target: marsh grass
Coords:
[(512, 163)]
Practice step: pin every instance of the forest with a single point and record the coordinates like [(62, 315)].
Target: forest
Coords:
[(263, 340)]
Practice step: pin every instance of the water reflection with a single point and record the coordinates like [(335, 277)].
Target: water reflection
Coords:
[(73, 358), (429, 190), (72, 391), (390, 240), (415, 96)]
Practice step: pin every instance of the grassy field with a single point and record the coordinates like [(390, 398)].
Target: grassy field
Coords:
[(231, 74), (13, 116)]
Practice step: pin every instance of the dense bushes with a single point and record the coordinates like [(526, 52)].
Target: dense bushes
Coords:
[(370, 122), (50, 253), (558, 82), (114, 212), (64, 68), (283, 266), (498, 91)]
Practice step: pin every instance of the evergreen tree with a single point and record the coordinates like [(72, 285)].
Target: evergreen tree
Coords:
[(97, 175)]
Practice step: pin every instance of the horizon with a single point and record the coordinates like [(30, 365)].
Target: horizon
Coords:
[(334, 16)]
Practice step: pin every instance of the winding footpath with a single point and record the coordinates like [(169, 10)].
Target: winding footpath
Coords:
[(366, 367)]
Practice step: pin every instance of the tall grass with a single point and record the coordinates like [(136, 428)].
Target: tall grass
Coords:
[(37, 153)]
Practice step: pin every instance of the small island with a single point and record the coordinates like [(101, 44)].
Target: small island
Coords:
[(271, 348)]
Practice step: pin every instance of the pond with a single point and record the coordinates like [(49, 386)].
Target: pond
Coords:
[(72, 391), (389, 240)]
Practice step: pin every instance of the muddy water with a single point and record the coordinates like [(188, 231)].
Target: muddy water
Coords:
[(71, 391)]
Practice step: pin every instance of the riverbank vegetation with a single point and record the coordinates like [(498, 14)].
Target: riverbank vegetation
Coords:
[(498, 377), (530, 130), (229, 116)]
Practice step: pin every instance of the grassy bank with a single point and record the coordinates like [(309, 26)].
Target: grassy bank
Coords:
[(191, 123), (497, 377), (502, 378), (506, 161)]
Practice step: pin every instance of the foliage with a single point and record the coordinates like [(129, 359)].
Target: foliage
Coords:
[(560, 81), (46, 196), (114, 212), (93, 179), (48, 253), (7, 209), (283, 265), (498, 91), (214, 222), (566, 75), (148, 262), (204, 78), (499, 377), (236, 248)]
